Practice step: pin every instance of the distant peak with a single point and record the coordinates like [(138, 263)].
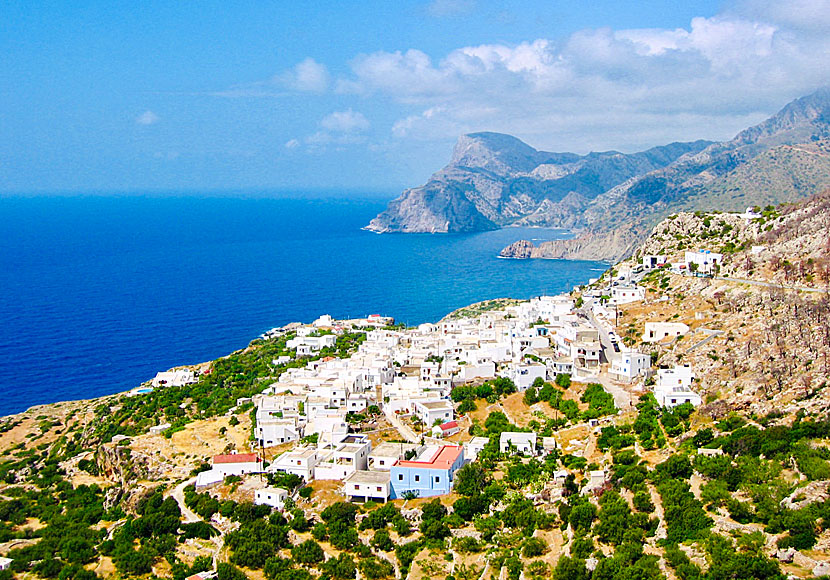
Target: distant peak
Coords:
[(496, 152)]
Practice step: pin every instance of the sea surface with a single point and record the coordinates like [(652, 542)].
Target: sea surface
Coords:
[(99, 293)]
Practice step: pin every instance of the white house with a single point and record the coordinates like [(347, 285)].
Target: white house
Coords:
[(384, 456), (209, 478), (5, 563), (431, 411), (627, 294), (524, 375), (175, 378), (651, 262), (271, 496), (237, 464), (367, 485), (298, 461), (657, 331), (521, 442), (338, 461), (447, 429), (629, 365), (474, 446), (479, 370), (674, 387), (159, 429), (273, 431), (705, 260)]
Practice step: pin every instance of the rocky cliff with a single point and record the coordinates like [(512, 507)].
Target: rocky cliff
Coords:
[(612, 199)]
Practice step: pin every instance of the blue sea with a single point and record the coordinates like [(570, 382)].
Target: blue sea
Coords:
[(99, 293)]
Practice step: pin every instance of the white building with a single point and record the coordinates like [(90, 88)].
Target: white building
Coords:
[(652, 262), (338, 461), (657, 331), (524, 375), (298, 461), (175, 378), (237, 464), (367, 485), (479, 370), (474, 446), (209, 478), (627, 294), (521, 442), (5, 563), (630, 365), (674, 387), (705, 260), (271, 496), (384, 456), (431, 411)]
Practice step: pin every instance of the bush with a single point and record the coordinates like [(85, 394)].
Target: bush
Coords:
[(534, 547)]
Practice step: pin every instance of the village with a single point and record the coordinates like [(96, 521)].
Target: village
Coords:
[(407, 376)]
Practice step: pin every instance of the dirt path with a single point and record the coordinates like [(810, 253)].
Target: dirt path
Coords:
[(178, 494)]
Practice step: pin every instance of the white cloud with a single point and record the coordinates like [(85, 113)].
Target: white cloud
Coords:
[(603, 88), (345, 122), (292, 144), (307, 76), (147, 118)]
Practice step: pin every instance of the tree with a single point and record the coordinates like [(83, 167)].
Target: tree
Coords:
[(570, 569), (469, 507), (382, 541), (470, 480), (530, 396), (534, 547), (342, 567), (309, 552)]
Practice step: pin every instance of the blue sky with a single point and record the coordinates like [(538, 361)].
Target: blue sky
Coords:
[(125, 97)]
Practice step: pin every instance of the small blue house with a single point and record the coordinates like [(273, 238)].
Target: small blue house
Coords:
[(430, 473)]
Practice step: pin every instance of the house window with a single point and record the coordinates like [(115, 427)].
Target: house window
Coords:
[(381, 462), (378, 489), (356, 486), (417, 478), (400, 477), (437, 479)]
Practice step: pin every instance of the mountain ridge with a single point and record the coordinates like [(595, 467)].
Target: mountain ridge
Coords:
[(495, 180)]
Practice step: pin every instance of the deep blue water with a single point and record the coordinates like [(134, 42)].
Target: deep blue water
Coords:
[(99, 293)]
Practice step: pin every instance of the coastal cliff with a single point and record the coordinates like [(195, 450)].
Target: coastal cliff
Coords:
[(615, 199), (607, 246)]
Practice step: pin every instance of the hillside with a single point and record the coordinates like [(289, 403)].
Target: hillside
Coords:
[(737, 488), (495, 181)]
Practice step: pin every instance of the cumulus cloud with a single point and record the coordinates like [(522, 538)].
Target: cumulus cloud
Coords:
[(307, 76), (345, 122), (147, 118), (603, 88)]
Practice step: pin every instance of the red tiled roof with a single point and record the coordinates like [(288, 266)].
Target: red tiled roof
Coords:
[(236, 458), (449, 425), (444, 459)]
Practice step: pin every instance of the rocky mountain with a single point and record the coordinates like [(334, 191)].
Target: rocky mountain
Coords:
[(612, 200), (495, 180)]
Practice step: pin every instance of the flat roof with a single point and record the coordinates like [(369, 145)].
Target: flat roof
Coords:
[(443, 459), (370, 477), (388, 448), (437, 404)]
